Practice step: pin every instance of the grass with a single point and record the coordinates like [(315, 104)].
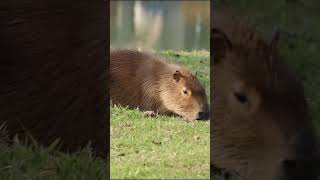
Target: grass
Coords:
[(161, 147), (34, 162)]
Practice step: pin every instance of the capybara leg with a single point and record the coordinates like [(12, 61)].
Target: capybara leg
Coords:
[(189, 120), (149, 114)]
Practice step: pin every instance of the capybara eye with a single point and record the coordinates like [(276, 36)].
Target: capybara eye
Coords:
[(242, 98), (185, 92)]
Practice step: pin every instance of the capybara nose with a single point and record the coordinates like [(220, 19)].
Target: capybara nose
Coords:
[(301, 168), (203, 115)]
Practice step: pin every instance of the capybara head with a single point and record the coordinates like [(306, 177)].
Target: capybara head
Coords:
[(185, 96), (260, 122)]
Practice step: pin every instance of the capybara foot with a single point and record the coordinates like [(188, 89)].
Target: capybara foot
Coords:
[(149, 114), (189, 120)]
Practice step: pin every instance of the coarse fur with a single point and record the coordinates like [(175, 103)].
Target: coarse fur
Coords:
[(149, 82), (260, 122)]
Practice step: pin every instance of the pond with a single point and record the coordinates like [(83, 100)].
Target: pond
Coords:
[(160, 25)]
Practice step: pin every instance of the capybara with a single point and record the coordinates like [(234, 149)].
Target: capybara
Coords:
[(260, 124), (151, 83)]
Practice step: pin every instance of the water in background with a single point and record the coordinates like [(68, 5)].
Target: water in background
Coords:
[(160, 25)]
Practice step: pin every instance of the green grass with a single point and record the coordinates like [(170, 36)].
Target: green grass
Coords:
[(33, 162), (161, 147)]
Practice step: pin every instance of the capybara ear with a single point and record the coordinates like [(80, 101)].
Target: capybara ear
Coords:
[(273, 45), (274, 40), (177, 75), (220, 43)]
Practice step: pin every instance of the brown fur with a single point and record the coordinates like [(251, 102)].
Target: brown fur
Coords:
[(259, 112), (151, 83)]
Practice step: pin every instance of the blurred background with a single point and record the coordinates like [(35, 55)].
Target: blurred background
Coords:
[(160, 25)]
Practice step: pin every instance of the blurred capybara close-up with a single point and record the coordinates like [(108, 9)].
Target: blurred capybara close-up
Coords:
[(260, 124), (151, 83)]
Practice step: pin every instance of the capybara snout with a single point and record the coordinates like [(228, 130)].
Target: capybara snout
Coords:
[(304, 167), (203, 114), (305, 164)]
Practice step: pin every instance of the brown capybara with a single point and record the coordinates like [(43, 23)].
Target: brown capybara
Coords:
[(260, 125), (151, 83)]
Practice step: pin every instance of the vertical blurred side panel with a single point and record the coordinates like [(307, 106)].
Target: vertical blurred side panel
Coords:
[(53, 71), (211, 89), (107, 107)]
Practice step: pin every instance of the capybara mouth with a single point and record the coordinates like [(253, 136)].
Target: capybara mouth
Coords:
[(203, 116)]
